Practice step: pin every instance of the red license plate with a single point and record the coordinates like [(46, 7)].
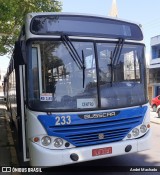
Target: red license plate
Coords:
[(101, 151)]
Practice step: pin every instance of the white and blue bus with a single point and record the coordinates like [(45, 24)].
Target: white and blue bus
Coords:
[(76, 88)]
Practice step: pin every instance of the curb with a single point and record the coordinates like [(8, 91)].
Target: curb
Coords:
[(156, 122), (154, 118), (14, 159)]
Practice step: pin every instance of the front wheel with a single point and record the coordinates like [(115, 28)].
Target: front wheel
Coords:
[(154, 108)]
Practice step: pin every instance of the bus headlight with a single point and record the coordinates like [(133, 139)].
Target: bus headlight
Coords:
[(58, 142), (135, 132), (143, 128), (138, 132), (46, 140)]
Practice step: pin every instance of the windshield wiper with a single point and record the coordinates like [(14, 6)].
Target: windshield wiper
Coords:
[(116, 55), (117, 51), (83, 62), (74, 54), (72, 50)]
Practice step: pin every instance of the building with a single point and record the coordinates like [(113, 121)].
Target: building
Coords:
[(154, 68), (114, 10)]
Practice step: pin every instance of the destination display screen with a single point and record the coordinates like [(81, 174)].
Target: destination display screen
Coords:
[(84, 26)]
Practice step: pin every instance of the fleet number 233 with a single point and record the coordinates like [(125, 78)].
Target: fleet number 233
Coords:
[(63, 120)]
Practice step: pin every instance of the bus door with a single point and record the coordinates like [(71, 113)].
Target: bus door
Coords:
[(20, 98)]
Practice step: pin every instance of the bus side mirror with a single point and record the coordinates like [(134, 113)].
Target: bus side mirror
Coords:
[(18, 56)]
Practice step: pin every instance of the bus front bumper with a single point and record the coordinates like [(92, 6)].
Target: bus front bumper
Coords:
[(40, 156)]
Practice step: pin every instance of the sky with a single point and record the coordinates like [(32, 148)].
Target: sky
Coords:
[(145, 12)]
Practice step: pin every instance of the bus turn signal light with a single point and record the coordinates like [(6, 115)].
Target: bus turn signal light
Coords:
[(36, 139)]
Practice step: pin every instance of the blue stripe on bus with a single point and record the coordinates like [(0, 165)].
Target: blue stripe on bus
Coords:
[(82, 132)]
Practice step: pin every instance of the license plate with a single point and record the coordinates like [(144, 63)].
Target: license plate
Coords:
[(101, 151)]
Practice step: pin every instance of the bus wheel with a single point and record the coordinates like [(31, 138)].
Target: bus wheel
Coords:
[(154, 108)]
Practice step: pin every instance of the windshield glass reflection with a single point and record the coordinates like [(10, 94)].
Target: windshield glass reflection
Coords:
[(56, 81)]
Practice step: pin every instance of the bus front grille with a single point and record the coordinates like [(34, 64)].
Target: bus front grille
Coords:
[(96, 133)]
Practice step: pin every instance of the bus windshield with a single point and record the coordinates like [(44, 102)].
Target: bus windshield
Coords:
[(57, 82)]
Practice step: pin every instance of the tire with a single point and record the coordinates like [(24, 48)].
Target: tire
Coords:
[(158, 113), (154, 108)]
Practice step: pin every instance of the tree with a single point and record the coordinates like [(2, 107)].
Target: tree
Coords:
[(12, 15)]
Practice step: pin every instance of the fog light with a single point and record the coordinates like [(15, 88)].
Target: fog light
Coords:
[(46, 140), (143, 128), (135, 132), (129, 136), (58, 142)]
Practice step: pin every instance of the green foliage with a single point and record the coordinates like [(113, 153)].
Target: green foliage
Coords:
[(12, 14)]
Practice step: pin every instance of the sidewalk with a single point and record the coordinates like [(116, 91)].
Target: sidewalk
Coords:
[(154, 117), (8, 157)]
